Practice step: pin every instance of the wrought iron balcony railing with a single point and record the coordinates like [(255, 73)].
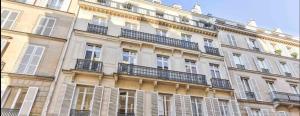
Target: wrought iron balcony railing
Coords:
[(9, 112), (220, 83), (125, 114), (250, 95), (285, 97), (240, 66), (265, 70), (75, 112), (155, 73), (212, 50), (88, 65), (98, 29), (288, 74), (142, 36)]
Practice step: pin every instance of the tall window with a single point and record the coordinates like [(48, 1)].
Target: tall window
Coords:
[(253, 43), (161, 32), (14, 98), (271, 86), (131, 26), (83, 95), (197, 106), (129, 57), (186, 37), (262, 63), (256, 112), (190, 66), (208, 42), (164, 105), (162, 62), (92, 52), (246, 84), (214, 70), (55, 4), (99, 20), (284, 67), (126, 102), (224, 108), (295, 89), (8, 18), (45, 26), (237, 59), (231, 40), (31, 60)]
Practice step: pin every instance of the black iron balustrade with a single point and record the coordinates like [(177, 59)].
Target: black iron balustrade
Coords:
[(155, 73), (220, 83), (265, 70), (212, 50), (9, 112), (125, 114), (240, 66), (98, 29), (250, 95), (142, 36), (285, 97), (88, 65), (288, 74), (75, 112)]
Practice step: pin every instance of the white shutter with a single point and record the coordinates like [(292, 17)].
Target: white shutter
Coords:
[(154, 104), (217, 110), (173, 107), (28, 101), (235, 108), (178, 104), (256, 63), (139, 103), (67, 100), (113, 102), (65, 5), (269, 65), (278, 64), (250, 45), (4, 94), (209, 106), (265, 112), (241, 89), (96, 101), (292, 70), (248, 110), (254, 87), (229, 58), (187, 106)]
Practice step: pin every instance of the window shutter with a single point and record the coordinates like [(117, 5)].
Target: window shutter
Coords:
[(97, 101), (228, 39), (254, 87), (178, 104), (217, 111), (249, 44), (241, 89), (154, 104), (139, 103), (65, 5), (209, 106), (67, 100), (259, 44), (187, 106), (229, 58), (256, 63), (265, 112), (235, 108), (113, 102), (279, 67), (270, 65), (28, 101), (248, 110), (173, 106), (292, 70)]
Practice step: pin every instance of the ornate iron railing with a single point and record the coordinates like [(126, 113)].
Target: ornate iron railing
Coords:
[(9, 112), (285, 97), (220, 83), (98, 29), (212, 50), (250, 95), (88, 65)]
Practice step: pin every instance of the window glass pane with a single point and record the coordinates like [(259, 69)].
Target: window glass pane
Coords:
[(21, 98)]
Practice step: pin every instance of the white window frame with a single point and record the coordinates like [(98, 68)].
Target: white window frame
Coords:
[(126, 100), (10, 12), (44, 26), (246, 84), (262, 63), (237, 59), (196, 101), (131, 55), (166, 107), (186, 37), (215, 69), (189, 64), (57, 5), (161, 32), (162, 60), (98, 20), (94, 46), (131, 26), (224, 108), (231, 40), (83, 97), (208, 42)]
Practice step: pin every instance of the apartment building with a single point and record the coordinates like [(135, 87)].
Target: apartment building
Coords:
[(33, 36)]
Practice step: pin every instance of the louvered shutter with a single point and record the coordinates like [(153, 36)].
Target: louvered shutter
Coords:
[(178, 104), (154, 104), (241, 89), (235, 110), (96, 101), (254, 87), (230, 55), (173, 106), (292, 70), (269, 65), (229, 59), (209, 106), (187, 106), (248, 110), (250, 45), (259, 43), (279, 67), (256, 63), (217, 110), (139, 103), (28, 101), (113, 102), (67, 100)]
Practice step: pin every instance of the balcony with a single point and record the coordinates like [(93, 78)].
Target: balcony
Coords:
[(220, 83), (155, 73), (285, 97), (75, 112), (97, 29), (240, 66), (250, 95), (147, 37), (9, 112), (125, 114), (88, 65), (212, 50), (288, 74), (265, 70)]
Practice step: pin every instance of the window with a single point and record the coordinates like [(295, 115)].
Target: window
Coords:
[(55, 4), (214, 69), (284, 67), (253, 43), (159, 14), (186, 37), (31, 59), (164, 105), (129, 57), (93, 52), (83, 95), (237, 59), (262, 63), (126, 102), (224, 108), (231, 40), (271, 86), (161, 32), (130, 26), (197, 106), (15, 97), (8, 18), (295, 89), (98, 20), (162, 62), (45, 26), (246, 84), (256, 112), (190, 66), (208, 42)]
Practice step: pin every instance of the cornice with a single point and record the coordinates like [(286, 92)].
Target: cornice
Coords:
[(140, 17)]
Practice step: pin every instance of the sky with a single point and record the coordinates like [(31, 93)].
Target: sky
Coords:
[(270, 14)]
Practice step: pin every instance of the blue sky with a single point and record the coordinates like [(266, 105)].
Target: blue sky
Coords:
[(267, 13)]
